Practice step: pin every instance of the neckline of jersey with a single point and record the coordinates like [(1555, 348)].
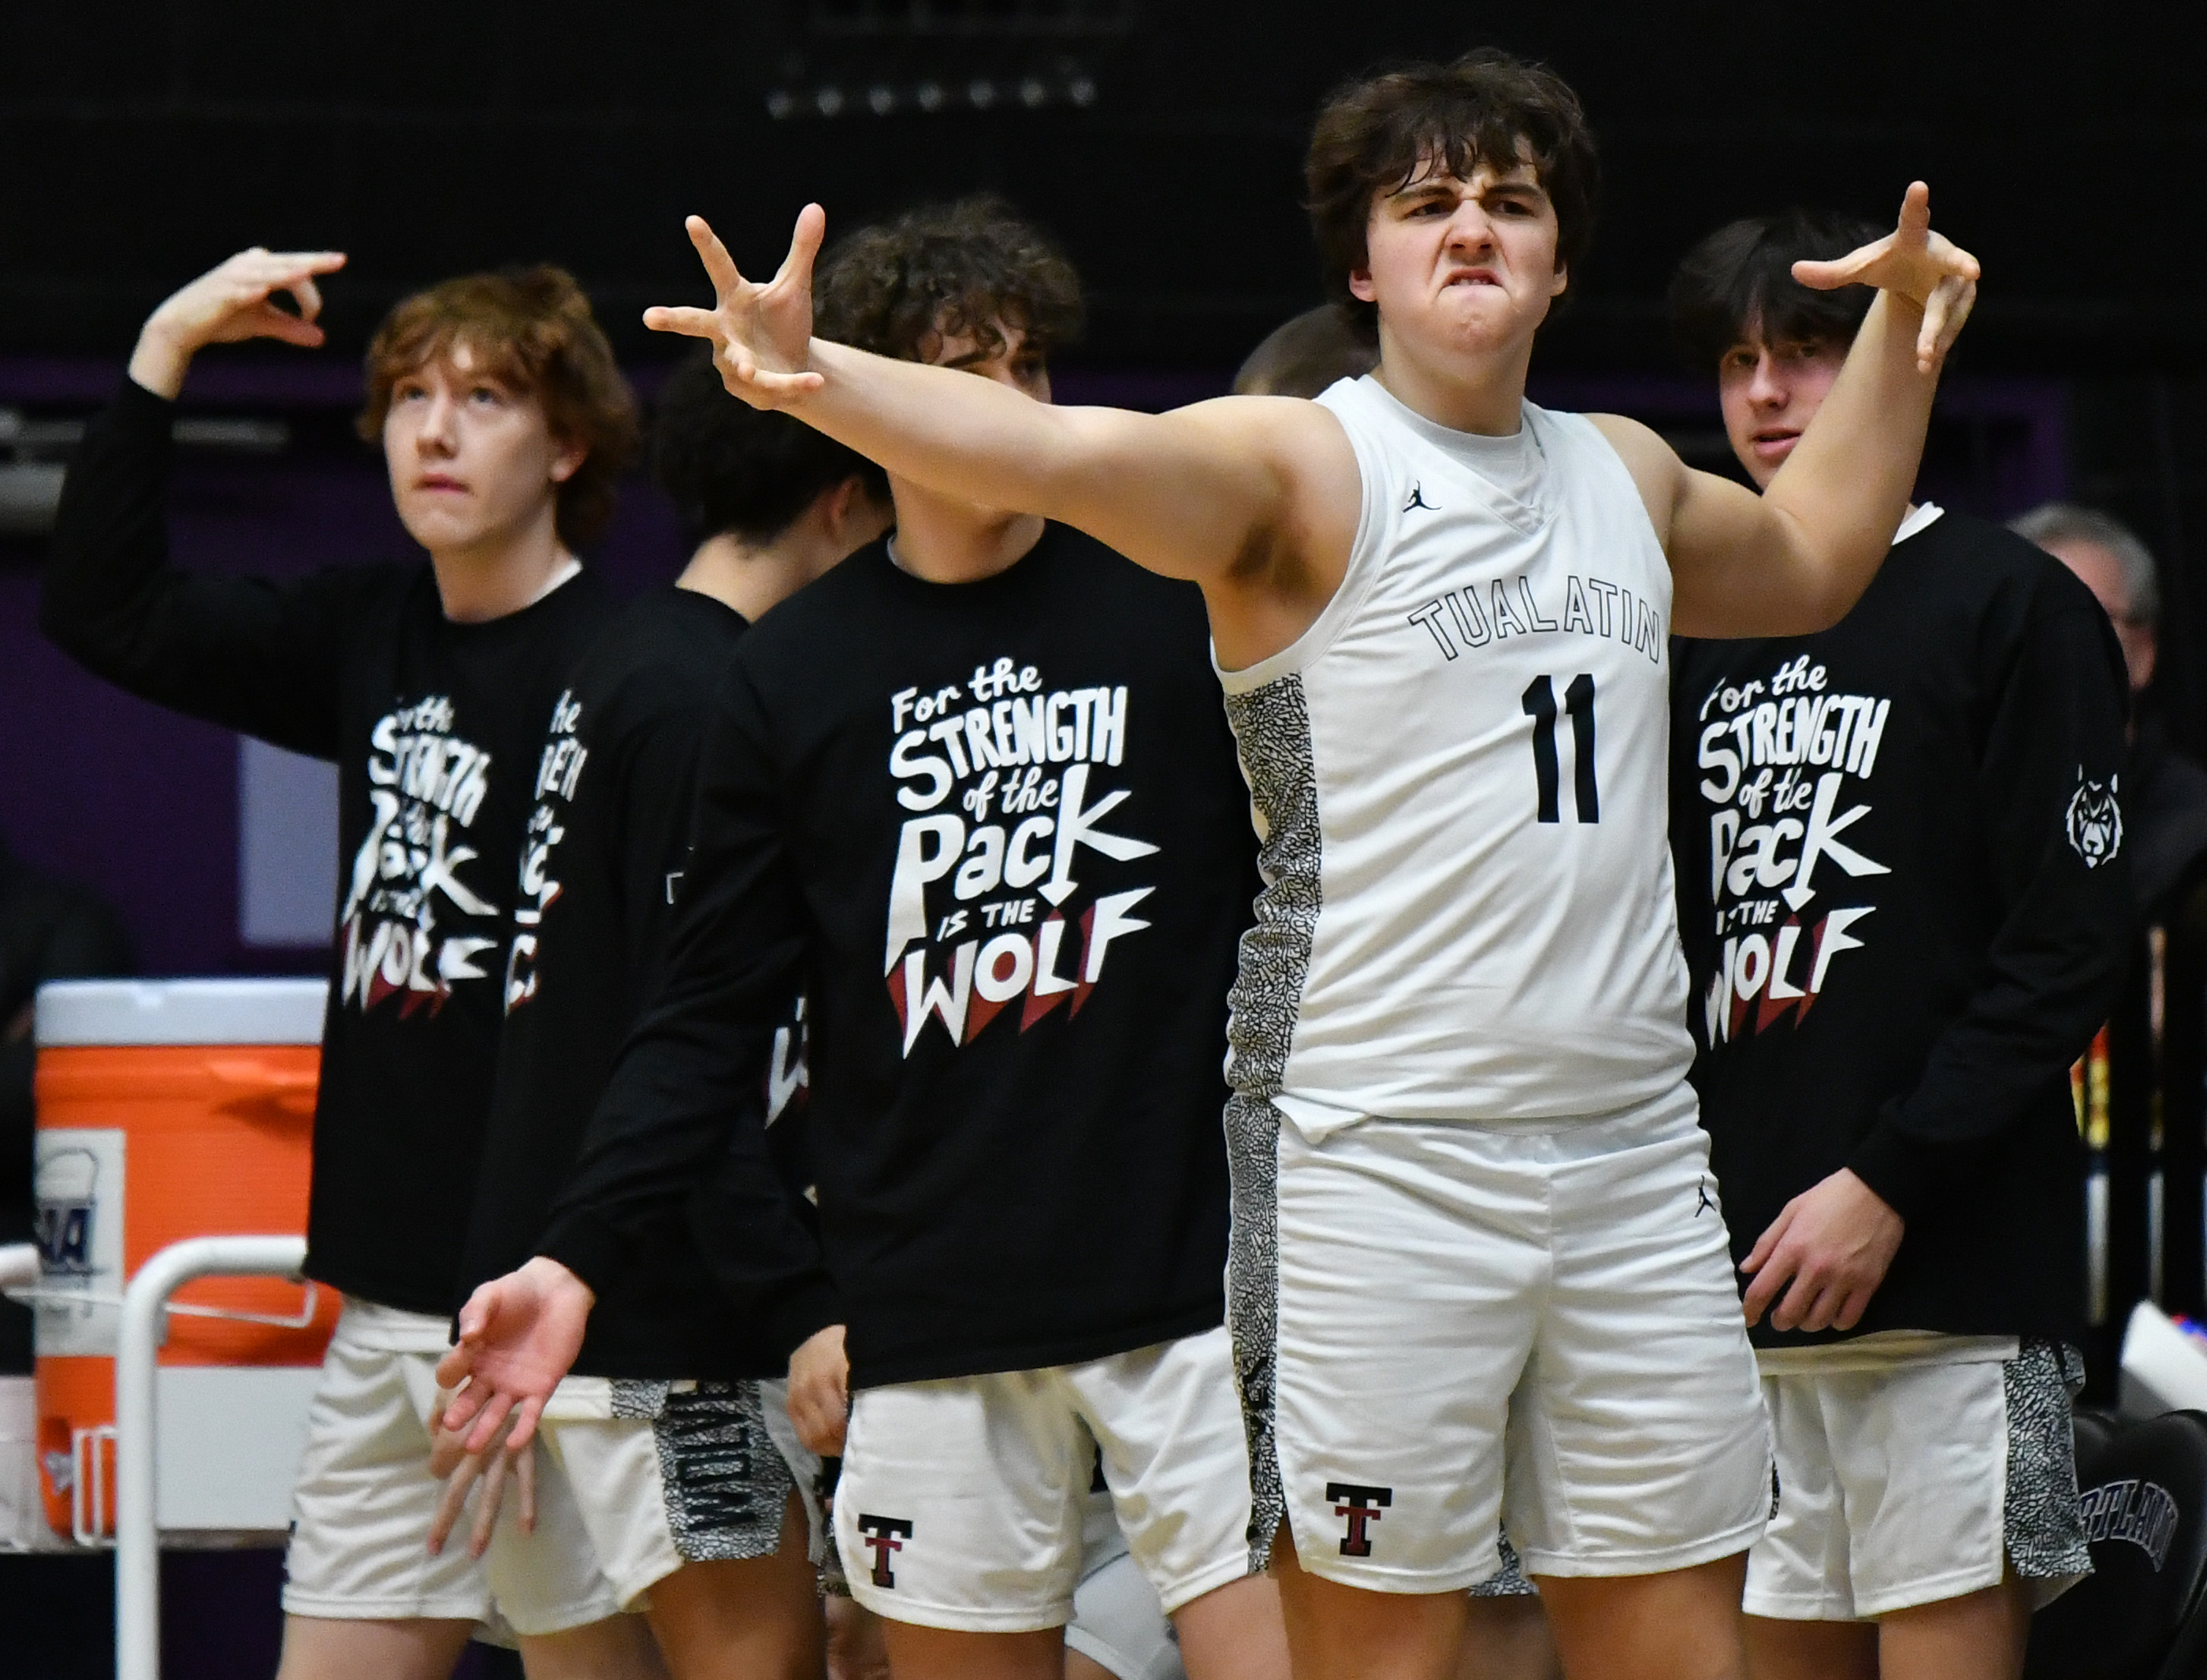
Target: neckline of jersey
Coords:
[(1512, 470)]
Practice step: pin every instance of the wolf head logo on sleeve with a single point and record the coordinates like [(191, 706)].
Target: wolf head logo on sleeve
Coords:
[(2095, 820)]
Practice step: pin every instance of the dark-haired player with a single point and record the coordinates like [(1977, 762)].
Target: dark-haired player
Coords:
[(681, 1464), (1471, 1192), (504, 424), (973, 791), (1902, 884), (1507, 1635)]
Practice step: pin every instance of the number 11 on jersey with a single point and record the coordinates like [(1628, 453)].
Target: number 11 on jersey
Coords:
[(1539, 702)]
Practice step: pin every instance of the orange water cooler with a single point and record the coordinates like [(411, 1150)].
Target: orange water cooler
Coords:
[(169, 1109)]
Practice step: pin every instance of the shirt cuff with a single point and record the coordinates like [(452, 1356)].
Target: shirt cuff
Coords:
[(135, 400), (588, 1247), (797, 1317), (1901, 1169)]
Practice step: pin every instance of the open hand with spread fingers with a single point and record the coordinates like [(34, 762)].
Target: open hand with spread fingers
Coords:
[(520, 1335), (1928, 269), (230, 303), (462, 1470), (761, 335)]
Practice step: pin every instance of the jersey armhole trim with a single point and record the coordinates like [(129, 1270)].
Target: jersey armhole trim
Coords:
[(1374, 518), (1613, 462)]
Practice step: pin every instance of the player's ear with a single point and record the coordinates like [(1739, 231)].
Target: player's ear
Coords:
[(567, 459), (1360, 287), (1562, 280)]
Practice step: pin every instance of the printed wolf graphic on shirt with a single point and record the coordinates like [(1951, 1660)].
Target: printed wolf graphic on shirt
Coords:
[(411, 924), (1786, 763), (1008, 782), (558, 775), (559, 769)]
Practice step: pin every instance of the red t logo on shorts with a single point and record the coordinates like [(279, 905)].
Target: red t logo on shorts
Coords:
[(1361, 1506), (885, 1535)]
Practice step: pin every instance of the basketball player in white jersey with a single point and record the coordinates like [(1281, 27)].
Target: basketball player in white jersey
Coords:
[(1472, 1215)]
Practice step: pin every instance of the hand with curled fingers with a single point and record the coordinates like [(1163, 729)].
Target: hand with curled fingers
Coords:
[(761, 335), (461, 1471), (520, 1335), (1833, 1244), (230, 303), (1933, 272), (820, 1391)]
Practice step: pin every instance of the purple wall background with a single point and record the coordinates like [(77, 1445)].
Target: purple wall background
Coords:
[(142, 804)]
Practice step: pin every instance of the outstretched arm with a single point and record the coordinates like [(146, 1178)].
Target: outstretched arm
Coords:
[(1212, 492), (1794, 560)]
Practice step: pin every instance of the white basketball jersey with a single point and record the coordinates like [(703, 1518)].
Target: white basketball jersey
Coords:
[(1459, 779)]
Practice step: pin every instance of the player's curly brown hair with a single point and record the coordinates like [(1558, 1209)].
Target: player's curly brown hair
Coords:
[(532, 329), (1373, 133), (955, 270)]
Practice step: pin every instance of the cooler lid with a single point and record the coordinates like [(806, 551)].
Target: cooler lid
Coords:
[(79, 1013)]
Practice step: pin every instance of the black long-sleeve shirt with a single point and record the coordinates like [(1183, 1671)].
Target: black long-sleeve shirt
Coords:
[(607, 846), (435, 726), (1904, 894), (996, 833)]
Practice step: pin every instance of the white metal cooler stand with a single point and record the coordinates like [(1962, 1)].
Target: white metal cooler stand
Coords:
[(137, 1415)]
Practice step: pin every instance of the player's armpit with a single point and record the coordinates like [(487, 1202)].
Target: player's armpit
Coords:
[(1256, 498)]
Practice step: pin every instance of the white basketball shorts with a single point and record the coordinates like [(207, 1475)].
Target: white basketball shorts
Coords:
[(364, 1500), (1918, 1482), (1427, 1314), (962, 1501), (662, 1475)]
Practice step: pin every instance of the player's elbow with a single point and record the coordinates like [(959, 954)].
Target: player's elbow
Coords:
[(1830, 585)]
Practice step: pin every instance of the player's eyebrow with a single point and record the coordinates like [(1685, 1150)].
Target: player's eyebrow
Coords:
[(1428, 186), (1519, 179)]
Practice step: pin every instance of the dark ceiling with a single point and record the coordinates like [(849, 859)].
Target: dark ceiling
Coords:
[(143, 140)]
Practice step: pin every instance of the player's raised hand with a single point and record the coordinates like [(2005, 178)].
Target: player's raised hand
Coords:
[(230, 303), (1926, 267), (520, 1335), (761, 335)]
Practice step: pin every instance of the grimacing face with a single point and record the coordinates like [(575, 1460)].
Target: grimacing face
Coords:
[(1463, 266), (1769, 393), (473, 461)]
